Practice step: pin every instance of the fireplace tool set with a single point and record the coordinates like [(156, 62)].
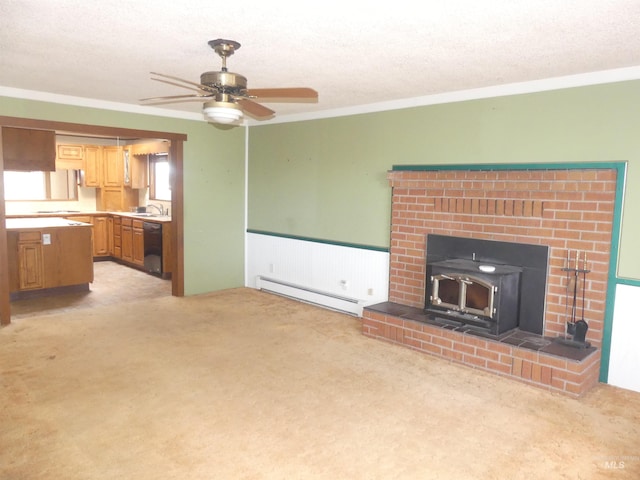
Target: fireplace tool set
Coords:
[(576, 277)]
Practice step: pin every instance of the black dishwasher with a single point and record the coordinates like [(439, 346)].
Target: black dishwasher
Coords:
[(153, 247)]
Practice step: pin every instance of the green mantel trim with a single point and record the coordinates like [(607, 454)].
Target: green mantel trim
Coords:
[(512, 166), (319, 240), (612, 277)]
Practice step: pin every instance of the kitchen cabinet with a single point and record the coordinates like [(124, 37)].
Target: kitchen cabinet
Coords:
[(99, 233), (126, 237), (92, 166), (132, 240), (69, 157), (117, 237), (48, 253), (30, 261), (28, 150), (100, 236), (116, 199), (129, 242), (138, 243), (136, 169), (110, 236), (113, 194), (112, 167)]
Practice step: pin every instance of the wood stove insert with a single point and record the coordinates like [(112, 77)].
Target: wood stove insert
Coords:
[(472, 293), (493, 286)]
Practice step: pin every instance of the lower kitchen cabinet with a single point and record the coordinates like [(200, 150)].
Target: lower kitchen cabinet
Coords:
[(126, 238), (138, 243), (132, 242), (49, 257), (100, 232), (100, 236), (110, 236), (117, 237), (30, 261)]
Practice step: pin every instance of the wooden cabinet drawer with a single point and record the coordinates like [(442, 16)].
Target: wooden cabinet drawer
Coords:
[(127, 222), (30, 236), (138, 224)]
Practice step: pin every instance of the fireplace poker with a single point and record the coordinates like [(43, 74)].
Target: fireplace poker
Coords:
[(566, 293), (582, 326), (584, 281), (575, 289)]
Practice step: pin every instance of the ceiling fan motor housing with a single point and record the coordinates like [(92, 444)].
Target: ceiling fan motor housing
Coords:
[(227, 82)]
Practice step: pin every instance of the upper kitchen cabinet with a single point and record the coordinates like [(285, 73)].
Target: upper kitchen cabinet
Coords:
[(112, 167), (29, 150), (69, 157), (92, 166), (135, 169)]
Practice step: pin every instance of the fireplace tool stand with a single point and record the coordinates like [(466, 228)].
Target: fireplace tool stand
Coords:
[(576, 329)]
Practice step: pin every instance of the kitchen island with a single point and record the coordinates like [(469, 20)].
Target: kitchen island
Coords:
[(48, 255)]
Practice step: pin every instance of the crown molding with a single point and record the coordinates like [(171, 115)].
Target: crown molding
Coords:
[(555, 83)]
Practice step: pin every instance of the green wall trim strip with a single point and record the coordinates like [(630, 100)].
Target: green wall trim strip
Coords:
[(628, 281), (319, 240), (509, 166), (621, 175), (613, 280)]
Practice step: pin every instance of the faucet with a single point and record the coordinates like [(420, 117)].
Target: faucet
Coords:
[(157, 207)]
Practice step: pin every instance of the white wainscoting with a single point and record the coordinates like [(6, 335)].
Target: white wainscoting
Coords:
[(624, 358), (338, 277)]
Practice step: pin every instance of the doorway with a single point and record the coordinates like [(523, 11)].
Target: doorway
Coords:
[(176, 165)]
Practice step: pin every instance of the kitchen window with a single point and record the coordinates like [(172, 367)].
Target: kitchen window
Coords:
[(36, 186), (159, 182)]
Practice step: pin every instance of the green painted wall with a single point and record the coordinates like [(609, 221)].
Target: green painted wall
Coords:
[(327, 178), (213, 186)]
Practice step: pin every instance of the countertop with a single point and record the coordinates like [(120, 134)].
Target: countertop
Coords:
[(144, 217), (44, 222), (73, 213)]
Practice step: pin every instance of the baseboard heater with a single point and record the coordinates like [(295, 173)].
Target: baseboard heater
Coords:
[(310, 295)]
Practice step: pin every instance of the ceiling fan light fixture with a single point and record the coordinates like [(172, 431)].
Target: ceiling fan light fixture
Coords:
[(222, 112)]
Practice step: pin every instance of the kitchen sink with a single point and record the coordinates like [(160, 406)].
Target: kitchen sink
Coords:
[(145, 214)]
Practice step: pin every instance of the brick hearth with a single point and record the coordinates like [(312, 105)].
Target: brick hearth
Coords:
[(565, 209)]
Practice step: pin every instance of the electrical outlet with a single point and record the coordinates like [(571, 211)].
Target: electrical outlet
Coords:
[(370, 291), (271, 268), (46, 239)]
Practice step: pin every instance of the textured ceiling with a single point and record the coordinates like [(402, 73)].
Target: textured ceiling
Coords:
[(354, 53)]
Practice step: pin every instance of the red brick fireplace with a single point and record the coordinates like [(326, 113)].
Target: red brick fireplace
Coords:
[(564, 209)]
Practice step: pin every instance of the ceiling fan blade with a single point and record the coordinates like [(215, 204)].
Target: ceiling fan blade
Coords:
[(171, 97), (259, 112), (178, 85), (199, 86), (275, 94)]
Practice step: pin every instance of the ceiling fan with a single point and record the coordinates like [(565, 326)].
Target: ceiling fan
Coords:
[(225, 94)]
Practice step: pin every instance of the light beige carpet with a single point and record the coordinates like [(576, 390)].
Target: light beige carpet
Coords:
[(246, 385)]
